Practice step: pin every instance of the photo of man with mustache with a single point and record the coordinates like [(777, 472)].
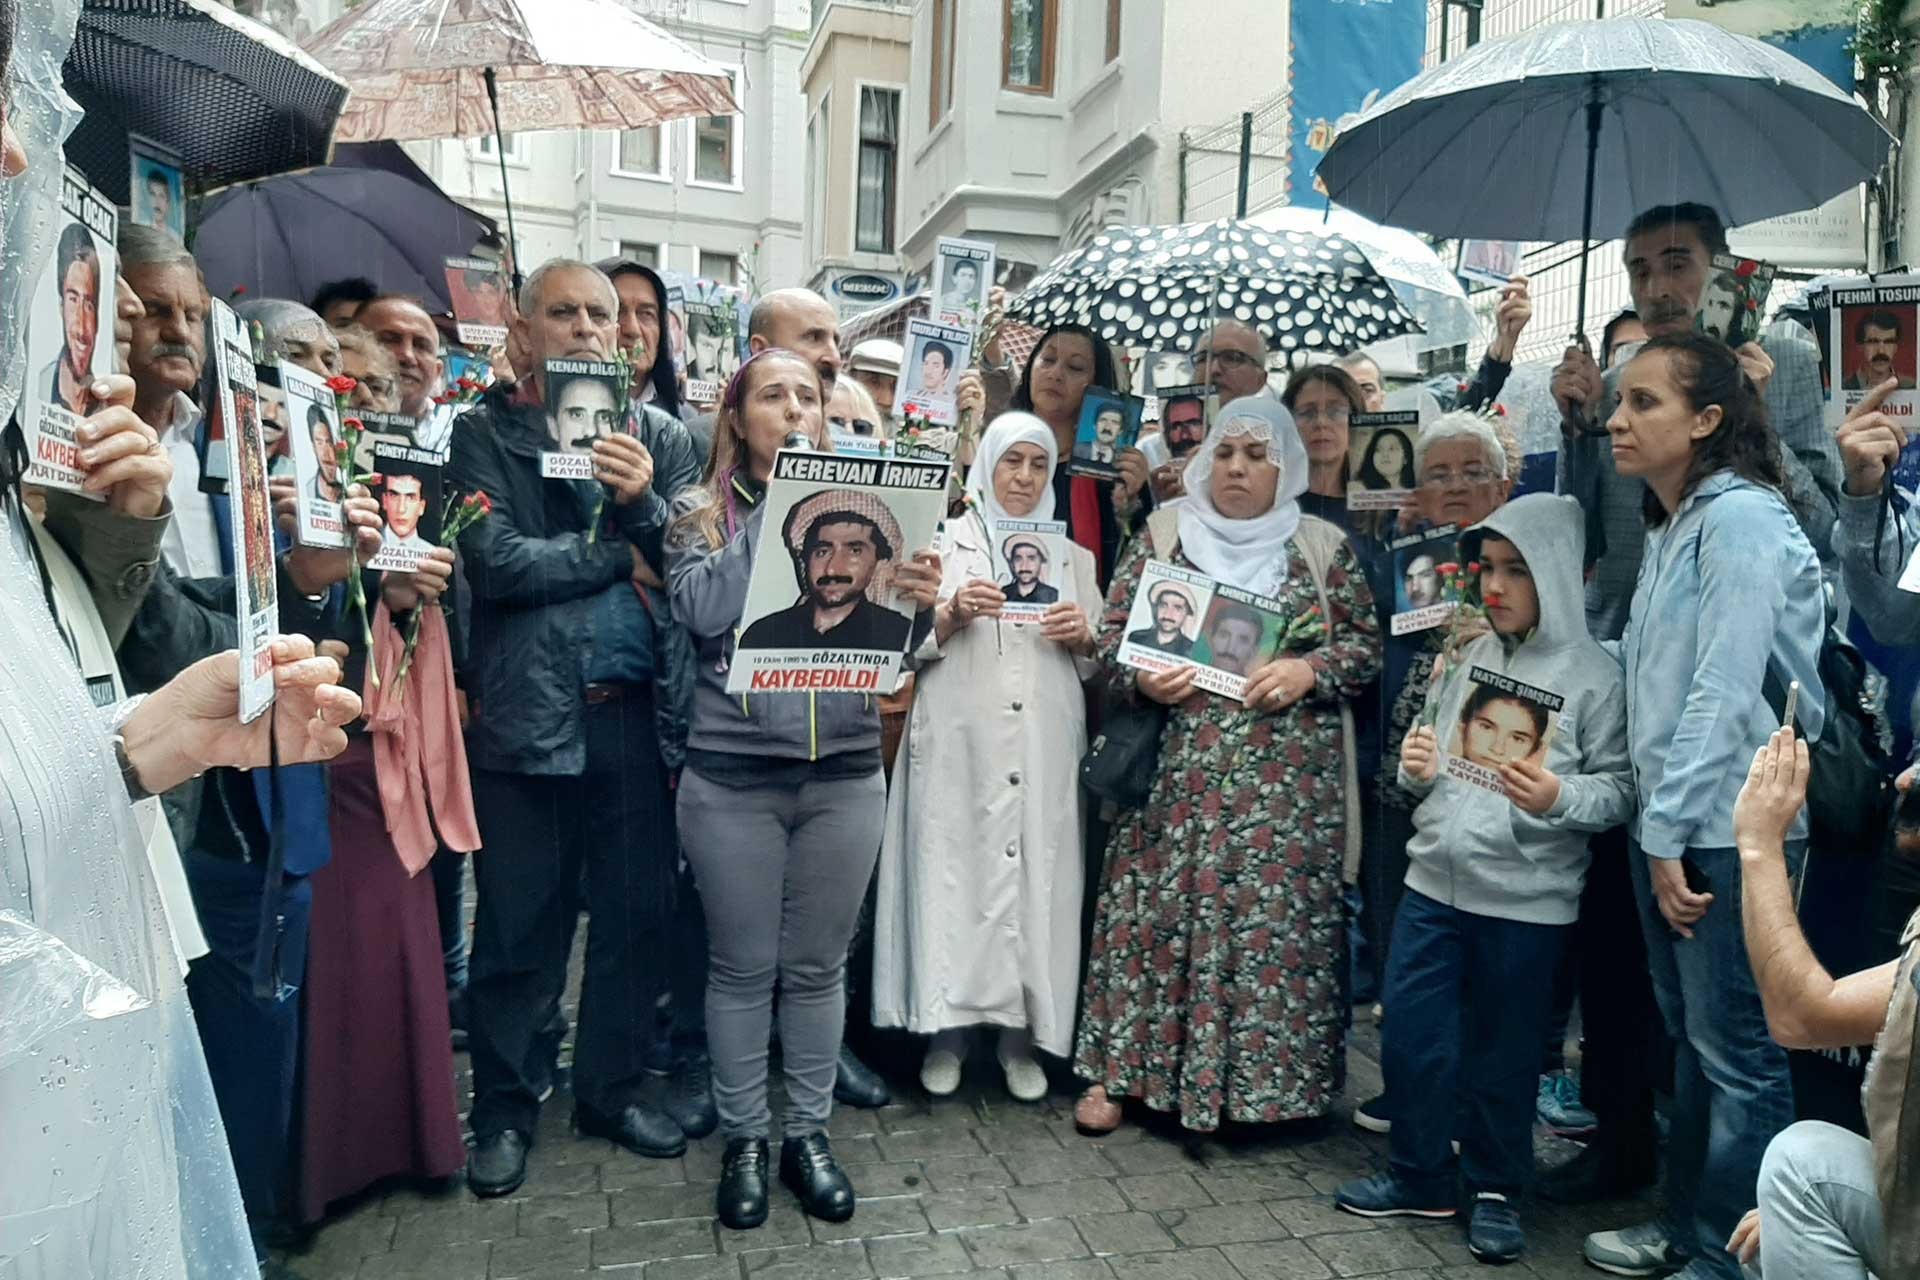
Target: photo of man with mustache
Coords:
[(844, 545), (1173, 608), (1233, 634), (1026, 558), (1876, 350)]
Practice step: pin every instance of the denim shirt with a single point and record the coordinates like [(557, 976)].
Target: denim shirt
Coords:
[(1728, 583)]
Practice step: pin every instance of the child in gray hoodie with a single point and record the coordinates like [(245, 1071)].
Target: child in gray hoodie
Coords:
[(1522, 752)]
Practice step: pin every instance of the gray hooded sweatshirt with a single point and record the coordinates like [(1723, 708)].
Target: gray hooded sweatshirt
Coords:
[(1478, 851)]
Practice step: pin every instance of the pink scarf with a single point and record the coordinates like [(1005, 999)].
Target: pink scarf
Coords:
[(418, 752)]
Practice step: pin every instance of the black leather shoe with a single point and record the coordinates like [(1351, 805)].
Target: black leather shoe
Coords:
[(808, 1168), (1601, 1172), (689, 1099), (643, 1130), (497, 1165), (859, 1085), (740, 1202)]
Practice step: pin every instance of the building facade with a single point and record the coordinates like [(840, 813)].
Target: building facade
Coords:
[(854, 78), (719, 198), (1054, 118)]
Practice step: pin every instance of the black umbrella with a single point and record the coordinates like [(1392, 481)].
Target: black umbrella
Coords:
[(234, 100), (1164, 287), (284, 237)]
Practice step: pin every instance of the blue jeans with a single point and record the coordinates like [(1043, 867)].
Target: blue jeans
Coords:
[(252, 1044), (1469, 997), (1732, 1090), (1820, 1212)]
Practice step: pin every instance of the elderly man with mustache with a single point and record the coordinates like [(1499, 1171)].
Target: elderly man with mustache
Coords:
[(165, 358)]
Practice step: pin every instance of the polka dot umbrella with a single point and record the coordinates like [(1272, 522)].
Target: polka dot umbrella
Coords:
[(1164, 287)]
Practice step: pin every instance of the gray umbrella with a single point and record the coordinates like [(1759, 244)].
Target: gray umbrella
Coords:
[(1550, 134)]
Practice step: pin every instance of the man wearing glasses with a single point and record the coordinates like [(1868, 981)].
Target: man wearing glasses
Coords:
[(1234, 359)]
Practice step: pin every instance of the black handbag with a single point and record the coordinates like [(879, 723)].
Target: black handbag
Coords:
[(1123, 760), (1850, 778)]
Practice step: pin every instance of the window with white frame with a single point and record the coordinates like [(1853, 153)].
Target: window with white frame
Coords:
[(721, 268), (642, 152), (879, 166), (647, 255), (515, 145), (715, 144), (817, 131)]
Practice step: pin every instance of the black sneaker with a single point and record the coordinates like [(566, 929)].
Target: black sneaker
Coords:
[(1493, 1232), (1385, 1196), (1372, 1115)]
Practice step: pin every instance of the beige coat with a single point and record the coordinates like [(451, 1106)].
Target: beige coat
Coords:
[(981, 875)]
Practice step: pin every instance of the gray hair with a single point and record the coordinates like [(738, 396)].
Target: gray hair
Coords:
[(152, 247), (530, 291), (1461, 425), (283, 321)]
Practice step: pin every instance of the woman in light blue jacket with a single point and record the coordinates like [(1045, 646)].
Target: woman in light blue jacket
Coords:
[(1729, 594)]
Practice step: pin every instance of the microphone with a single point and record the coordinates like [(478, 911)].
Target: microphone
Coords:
[(797, 440)]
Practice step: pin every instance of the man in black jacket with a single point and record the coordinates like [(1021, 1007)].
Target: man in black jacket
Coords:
[(578, 685)]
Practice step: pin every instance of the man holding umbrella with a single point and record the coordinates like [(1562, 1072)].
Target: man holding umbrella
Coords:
[(1669, 258)]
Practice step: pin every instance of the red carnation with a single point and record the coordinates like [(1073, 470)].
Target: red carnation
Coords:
[(341, 385), (1746, 268), (352, 424)]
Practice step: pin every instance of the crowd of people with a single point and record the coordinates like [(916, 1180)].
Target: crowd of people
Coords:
[(1577, 790)]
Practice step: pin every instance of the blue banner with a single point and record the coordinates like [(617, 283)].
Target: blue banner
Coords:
[(1342, 54), (1815, 31)]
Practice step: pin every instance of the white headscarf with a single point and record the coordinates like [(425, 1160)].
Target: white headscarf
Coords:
[(1248, 554), (1008, 430)]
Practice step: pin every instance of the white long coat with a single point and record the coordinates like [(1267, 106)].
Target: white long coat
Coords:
[(978, 916)]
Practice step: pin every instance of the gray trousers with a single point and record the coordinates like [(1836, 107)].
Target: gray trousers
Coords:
[(782, 872), (1819, 1211)]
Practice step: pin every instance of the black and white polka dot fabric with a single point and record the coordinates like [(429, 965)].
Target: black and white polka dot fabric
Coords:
[(1163, 287)]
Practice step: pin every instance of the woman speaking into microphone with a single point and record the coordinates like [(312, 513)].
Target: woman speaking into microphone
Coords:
[(781, 808)]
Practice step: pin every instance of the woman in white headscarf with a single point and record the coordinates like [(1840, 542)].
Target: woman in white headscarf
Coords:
[(1213, 988), (980, 871)]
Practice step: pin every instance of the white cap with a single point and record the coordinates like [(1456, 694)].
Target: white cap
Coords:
[(877, 355)]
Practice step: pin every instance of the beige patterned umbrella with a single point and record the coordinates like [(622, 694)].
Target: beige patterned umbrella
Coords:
[(466, 68)]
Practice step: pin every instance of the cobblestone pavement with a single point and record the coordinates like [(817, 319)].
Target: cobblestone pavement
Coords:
[(973, 1184)]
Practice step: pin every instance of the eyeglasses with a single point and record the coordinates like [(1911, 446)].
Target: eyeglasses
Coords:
[(1446, 477), (1231, 359), (859, 426), (1334, 413)]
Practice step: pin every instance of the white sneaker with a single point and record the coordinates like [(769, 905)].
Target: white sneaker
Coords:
[(1026, 1079), (940, 1069)]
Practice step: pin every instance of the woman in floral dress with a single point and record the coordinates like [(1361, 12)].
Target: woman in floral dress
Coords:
[(1213, 986)]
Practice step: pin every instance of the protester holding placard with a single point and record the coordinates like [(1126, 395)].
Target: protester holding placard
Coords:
[(782, 801), (1721, 545), (1533, 714), (979, 901), (1067, 361), (580, 686), (1251, 805)]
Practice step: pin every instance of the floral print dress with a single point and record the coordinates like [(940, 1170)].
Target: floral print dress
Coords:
[(1213, 980)]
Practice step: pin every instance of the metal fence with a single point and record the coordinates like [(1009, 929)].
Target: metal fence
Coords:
[(1210, 163)]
